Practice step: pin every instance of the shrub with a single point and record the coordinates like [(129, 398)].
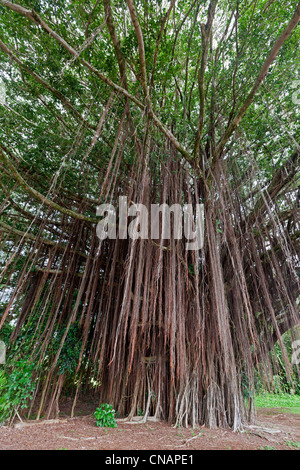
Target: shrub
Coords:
[(16, 388), (105, 416)]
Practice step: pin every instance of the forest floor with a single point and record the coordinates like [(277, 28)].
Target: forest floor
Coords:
[(275, 429)]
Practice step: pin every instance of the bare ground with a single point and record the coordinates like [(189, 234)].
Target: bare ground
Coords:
[(274, 429)]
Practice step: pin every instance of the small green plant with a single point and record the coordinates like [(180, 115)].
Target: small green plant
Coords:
[(292, 444), (267, 448), (105, 416)]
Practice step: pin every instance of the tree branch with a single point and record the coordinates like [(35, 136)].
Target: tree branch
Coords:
[(140, 39), (281, 178), (263, 72), (37, 195), (206, 33)]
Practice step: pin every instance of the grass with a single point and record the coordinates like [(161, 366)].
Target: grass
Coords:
[(267, 448), (292, 444), (279, 400)]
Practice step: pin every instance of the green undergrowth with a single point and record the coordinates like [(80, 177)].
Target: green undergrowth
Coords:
[(279, 400)]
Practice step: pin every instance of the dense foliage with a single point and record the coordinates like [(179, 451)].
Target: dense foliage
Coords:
[(105, 416)]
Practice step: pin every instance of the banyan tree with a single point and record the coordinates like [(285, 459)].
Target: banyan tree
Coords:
[(164, 102)]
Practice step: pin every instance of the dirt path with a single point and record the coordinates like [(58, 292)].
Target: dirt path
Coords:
[(274, 429)]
